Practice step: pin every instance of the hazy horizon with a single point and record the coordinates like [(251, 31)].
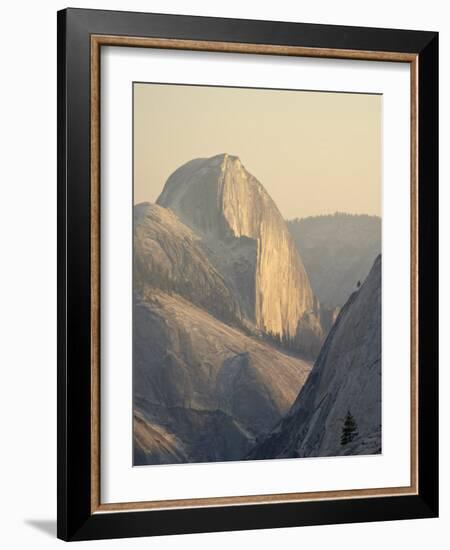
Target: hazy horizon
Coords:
[(316, 153)]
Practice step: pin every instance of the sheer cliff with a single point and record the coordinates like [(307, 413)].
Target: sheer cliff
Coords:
[(249, 241)]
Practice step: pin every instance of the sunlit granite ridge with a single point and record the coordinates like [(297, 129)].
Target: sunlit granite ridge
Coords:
[(225, 204)]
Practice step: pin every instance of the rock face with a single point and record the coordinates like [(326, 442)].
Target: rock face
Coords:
[(249, 241), (346, 377), (337, 251), (203, 390)]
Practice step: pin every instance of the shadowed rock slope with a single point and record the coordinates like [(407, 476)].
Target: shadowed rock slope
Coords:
[(203, 391), (345, 377), (249, 243)]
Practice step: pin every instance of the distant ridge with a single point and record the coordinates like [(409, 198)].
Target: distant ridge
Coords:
[(337, 250)]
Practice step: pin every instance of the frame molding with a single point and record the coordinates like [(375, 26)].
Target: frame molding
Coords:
[(81, 34)]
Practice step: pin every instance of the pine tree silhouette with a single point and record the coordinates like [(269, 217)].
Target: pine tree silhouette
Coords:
[(349, 429)]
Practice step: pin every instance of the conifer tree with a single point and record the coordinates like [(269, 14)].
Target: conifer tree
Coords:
[(349, 429)]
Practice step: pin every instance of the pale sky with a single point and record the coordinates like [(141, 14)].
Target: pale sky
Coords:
[(314, 152)]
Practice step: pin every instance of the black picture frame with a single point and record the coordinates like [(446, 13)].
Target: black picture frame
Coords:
[(75, 518)]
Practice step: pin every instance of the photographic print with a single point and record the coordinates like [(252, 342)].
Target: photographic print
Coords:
[(247, 274), (256, 274)]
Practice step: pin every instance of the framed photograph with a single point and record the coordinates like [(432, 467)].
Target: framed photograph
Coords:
[(247, 255)]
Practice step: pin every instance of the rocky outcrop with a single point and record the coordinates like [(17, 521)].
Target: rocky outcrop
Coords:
[(203, 390), (152, 444), (248, 241), (346, 378), (169, 256)]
